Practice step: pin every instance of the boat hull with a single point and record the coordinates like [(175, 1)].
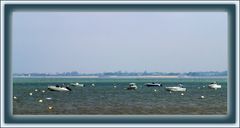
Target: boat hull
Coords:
[(61, 89), (214, 86), (176, 89), (131, 88), (78, 85), (153, 85)]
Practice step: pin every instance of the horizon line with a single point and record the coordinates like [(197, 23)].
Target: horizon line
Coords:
[(117, 72)]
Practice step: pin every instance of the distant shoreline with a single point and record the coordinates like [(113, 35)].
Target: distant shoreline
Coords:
[(120, 77), (120, 74)]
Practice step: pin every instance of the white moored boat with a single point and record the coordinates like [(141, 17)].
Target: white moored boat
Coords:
[(77, 84), (132, 86), (58, 88), (176, 88), (214, 85), (153, 84)]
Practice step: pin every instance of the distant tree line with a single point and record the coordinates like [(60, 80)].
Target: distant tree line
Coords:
[(119, 73), (206, 73)]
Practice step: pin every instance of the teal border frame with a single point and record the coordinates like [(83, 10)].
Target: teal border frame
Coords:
[(230, 118)]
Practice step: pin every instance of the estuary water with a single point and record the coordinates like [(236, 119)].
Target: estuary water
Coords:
[(105, 99)]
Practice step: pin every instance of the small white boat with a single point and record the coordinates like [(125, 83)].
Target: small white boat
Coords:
[(176, 88), (214, 85), (77, 84), (132, 86), (58, 88), (153, 84)]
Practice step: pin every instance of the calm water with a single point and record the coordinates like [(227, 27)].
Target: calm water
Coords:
[(105, 99)]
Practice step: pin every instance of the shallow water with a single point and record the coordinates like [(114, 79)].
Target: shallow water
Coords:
[(105, 99)]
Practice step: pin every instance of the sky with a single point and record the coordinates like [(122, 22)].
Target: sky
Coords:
[(91, 42)]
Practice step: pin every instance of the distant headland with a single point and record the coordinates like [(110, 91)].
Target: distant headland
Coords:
[(126, 74)]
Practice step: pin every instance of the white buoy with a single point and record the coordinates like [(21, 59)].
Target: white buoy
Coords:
[(40, 101), (204, 86), (202, 97), (14, 97), (48, 98), (30, 94), (115, 86), (199, 87), (35, 90), (50, 107), (170, 91), (155, 90), (93, 85), (182, 94), (43, 91)]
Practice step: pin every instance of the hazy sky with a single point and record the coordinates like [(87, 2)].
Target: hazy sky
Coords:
[(91, 42)]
